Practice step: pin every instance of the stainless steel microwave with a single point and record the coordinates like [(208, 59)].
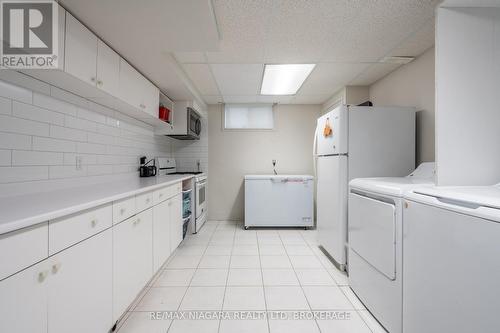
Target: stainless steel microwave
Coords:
[(189, 125)]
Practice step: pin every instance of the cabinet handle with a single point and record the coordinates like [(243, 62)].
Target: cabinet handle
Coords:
[(136, 222), (42, 276), (148, 200), (161, 195), (122, 211), (92, 79), (99, 82), (142, 106), (93, 223), (55, 268)]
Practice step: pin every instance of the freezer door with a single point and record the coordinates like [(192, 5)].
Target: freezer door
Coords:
[(332, 206), (336, 143), (372, 232)]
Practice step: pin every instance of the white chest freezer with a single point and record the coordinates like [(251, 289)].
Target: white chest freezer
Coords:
[(279, 201)]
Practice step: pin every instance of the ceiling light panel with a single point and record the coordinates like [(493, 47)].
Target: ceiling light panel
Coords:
[(284, 79)]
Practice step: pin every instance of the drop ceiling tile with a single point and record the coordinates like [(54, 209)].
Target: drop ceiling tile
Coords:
[(418, 42), (210, 99), (238, 79), (190, 57), (329, 77), (310, 99), (240, 99), (202, 78), (373, 73)]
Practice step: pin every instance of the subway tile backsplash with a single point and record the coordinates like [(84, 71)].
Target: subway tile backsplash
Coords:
[(42, 137)]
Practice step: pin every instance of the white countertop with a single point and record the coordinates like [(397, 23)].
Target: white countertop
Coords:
[(23, 211)]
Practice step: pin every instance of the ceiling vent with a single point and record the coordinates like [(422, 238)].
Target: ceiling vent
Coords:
[(402, 60)]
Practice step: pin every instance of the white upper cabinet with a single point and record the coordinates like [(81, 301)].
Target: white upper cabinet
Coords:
[(80, 51), (151, 98), (130, 85), (137, 91), (108, 69)]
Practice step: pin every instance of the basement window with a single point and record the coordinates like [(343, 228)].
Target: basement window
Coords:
[(248, 116)]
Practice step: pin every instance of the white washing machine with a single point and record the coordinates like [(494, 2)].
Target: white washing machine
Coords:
[(451, 260), (375, 242)]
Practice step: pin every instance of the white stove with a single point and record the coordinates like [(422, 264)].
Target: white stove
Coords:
[(168, 166)]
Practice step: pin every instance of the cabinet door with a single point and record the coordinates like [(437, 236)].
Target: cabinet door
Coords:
[(132, 259), (80, 51), (150, 98), (175, 222), (108, 69), (80, 289), (130, 89), (23, 301), (161, 234)]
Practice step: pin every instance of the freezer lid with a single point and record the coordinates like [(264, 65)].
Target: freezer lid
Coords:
[(336, 142), (279, 177)]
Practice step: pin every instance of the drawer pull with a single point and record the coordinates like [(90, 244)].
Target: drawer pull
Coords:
[(55, 268), (93, 223), (136, 222), (148, 200), (161, 195), (122, 211), (42, 276)]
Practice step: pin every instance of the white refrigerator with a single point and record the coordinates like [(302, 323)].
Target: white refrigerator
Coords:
[(362, 142)]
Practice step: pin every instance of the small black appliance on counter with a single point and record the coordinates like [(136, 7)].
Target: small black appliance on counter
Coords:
[(146, 170)]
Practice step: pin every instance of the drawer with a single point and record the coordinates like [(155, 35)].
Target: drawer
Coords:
[(123, 209), (166, 192), (144, 201), (22, 248), (70, 230)]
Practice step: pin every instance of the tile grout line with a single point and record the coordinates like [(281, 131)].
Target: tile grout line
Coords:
[(188, 286), (266, 309), (297, 276), (227, 278)]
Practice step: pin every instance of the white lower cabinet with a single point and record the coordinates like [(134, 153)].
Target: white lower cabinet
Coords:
[(176, 231), (23, 301), (80, 287), (69, 292), (132, 259), (87, 286), (161, 233)]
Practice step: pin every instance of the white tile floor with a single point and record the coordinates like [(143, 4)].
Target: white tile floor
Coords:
[(225, 267)]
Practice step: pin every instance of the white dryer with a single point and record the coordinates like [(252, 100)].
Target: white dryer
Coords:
[(451, 268), (375, 242)]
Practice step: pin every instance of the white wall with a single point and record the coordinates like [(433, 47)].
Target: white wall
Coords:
[(41, 136), (468, 86), (233, 154), (412, 85)]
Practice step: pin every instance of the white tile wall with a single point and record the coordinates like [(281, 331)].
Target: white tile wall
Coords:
[(42, 136), (188, 153)]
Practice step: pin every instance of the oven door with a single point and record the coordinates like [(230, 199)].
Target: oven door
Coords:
[(194, 123), (200, 198)]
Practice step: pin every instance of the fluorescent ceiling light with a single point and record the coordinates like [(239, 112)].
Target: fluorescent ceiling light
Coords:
[(284, 79)]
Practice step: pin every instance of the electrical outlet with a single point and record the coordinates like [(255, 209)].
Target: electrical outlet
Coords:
[(78, 162)]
